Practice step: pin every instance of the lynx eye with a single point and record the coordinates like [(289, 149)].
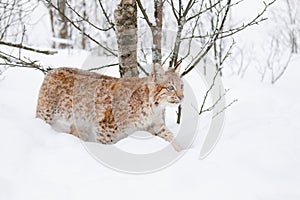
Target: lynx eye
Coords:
[(171, 87)]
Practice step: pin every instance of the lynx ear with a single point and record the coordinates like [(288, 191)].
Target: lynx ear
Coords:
[(177, 68), (157, 70)]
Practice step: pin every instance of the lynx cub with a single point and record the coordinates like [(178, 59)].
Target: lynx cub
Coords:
[(104, 109)]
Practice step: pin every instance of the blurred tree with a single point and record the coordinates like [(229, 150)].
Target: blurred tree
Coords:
[(126, 31)]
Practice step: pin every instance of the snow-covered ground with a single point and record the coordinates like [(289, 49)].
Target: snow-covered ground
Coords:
[(257, 157)]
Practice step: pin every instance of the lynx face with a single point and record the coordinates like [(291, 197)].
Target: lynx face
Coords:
[(169, 88)]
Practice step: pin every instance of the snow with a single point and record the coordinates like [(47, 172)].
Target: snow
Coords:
[(256, 158)]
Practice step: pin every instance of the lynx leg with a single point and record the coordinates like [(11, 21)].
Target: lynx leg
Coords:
[(107, 133), (44, 111), (167, 135), (78, 133)]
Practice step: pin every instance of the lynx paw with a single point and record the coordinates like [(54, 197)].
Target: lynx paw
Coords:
[(176, 146)]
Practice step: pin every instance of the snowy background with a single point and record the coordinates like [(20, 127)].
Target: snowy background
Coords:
[(257, 157)]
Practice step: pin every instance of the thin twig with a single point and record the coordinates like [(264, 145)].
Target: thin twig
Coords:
[(208, 91), (211, 42), (104, 66), (12, 61), (143, 70), (116, 64), (106, 15), (79, 29), (143, 10), (86, 20), (223, 109), (21, 46)]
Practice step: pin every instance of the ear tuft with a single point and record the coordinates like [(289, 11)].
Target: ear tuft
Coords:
[(177, 68), (157, 70)]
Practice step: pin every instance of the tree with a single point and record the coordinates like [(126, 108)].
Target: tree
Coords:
[(205, 22), (280, 44), (188, 16), (126, 31), (14, 17)]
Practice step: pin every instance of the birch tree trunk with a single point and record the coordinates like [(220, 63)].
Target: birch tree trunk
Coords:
[(51, 14), (157, 32), (126, 31), (83, 39), (63, 31)]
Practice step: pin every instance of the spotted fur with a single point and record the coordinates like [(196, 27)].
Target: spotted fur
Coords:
[(104, 109)]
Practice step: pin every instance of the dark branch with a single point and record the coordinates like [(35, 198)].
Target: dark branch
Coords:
[(79, 29), (104, 66), (21, 46), (211, 42), (143, 10), (86, 20), (106, 16), (13, 61)]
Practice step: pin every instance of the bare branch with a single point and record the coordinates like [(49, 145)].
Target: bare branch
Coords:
[(202, 110), (79, 29), (106, 15), (211, 41), (205, 10), (86, 20), (175, 12), (143, 70), (143, 10), (21, 46), (226, 33), (223, 109), (116, 64), (102, 67), (13, 61)]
